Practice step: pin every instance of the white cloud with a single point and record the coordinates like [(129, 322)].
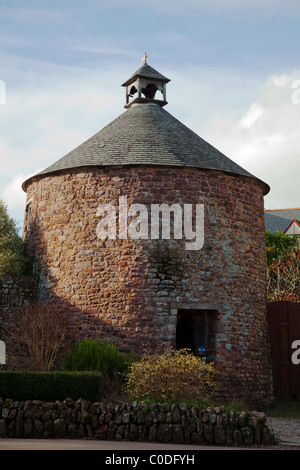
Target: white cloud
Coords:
[(254, 113), (13, 194), (264, 139), (15, 198), (280, 81), (51, 110)]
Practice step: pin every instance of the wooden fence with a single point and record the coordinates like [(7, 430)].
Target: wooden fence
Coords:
[(284, 329)]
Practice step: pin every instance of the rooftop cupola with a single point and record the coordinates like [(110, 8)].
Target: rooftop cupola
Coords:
[(143, 86)]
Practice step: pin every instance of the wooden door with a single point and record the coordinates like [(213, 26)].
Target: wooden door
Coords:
[(284, 328)]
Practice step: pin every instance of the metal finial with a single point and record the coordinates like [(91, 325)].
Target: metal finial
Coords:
[(144, 59)]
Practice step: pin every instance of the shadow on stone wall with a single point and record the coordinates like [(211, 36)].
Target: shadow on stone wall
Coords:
[(85, 320), (16, 291)]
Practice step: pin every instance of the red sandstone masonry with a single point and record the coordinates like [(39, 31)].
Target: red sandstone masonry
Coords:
[(130, 290)]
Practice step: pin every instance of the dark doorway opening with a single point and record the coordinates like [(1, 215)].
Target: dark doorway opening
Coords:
[(184, 333), (196, 330)]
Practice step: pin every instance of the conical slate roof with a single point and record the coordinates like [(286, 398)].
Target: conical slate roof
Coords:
[(146, 134)]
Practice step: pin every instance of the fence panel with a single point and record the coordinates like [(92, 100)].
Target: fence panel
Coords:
[(294, 320), (284, 328)]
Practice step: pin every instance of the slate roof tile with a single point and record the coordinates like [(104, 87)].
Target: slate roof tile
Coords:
[(146, 134), (280, 219)]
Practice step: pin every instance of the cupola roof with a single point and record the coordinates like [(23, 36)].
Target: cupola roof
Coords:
[(146, 71)]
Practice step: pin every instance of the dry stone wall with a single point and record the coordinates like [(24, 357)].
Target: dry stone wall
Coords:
[(162, 423)]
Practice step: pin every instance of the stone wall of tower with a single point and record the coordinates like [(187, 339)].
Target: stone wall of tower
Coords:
[(130, 291)]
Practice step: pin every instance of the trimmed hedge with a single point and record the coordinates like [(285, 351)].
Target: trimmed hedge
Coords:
[(51, 386)]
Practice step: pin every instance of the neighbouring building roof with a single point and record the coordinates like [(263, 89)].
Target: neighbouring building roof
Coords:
[(282, 220)]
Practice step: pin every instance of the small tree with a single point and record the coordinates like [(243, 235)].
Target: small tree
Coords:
[(284, 278), (172, 375), (35, 334), (12, 260), (283, 267), (279, 245)]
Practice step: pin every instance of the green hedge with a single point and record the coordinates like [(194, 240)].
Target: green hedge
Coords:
[(51, 386)]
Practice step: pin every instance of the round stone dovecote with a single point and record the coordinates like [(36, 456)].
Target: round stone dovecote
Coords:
[(151, 237)]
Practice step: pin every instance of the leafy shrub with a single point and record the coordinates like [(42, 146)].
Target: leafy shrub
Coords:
[(283, 263), (96, 355), (50, 386), (279, 246), (172, 375), (12, 260)]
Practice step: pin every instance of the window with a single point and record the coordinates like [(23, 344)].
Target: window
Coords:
[(28, 215)]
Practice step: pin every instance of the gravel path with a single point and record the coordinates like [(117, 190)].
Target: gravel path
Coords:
[(287, 430), (287, 427)]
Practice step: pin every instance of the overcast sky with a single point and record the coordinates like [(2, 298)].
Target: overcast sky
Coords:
[(234, 67)]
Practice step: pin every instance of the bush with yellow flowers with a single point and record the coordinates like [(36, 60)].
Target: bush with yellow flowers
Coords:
[(171, 375)]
